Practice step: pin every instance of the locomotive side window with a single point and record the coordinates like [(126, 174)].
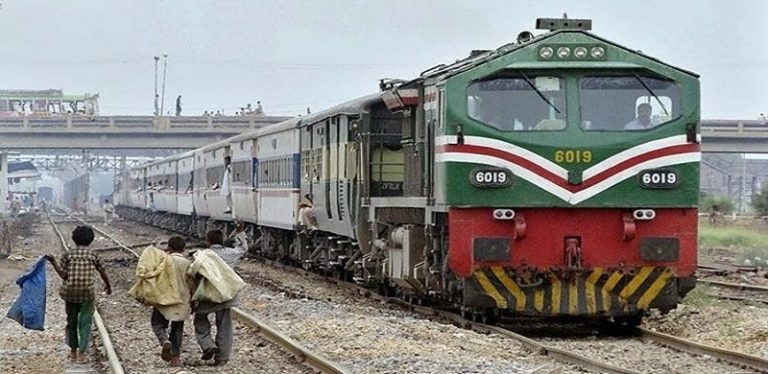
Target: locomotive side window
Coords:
[(524, 103), (629, 102)]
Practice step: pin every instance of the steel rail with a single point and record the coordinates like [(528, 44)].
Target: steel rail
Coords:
[(119, 248), (108, 236), (738, 298), (302, 354), (726, 268), (733, 357), (571, 358), (106, 342), (735, 286)]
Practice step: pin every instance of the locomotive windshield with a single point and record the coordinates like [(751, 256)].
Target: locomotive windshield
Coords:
[(524, 103), (627, 102)]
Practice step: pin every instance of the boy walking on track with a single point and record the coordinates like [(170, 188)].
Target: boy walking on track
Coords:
[(77, 268), (215, 260), (174, 314)]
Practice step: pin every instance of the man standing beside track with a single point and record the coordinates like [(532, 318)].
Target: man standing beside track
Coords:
[(77, 268), (108, 210)]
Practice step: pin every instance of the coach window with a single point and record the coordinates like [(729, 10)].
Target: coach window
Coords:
[(286, 173), (519, 103), (627, 102)]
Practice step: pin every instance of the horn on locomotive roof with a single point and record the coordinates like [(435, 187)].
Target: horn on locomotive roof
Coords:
[(389, 83), (564, 23), (524, 37)]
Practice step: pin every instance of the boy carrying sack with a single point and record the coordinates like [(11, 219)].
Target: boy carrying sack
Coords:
[(162, 282)]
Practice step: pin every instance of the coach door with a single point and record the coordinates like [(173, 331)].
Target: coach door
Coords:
[(307, 161)]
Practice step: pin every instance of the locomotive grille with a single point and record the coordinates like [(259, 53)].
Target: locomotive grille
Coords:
[(660, 249), (491, 249)]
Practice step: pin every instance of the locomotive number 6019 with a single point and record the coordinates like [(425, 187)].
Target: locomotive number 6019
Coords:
[(573, 156), (485, 177), (659, 178)]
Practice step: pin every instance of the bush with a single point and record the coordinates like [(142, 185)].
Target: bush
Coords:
[(707, 202), (760, 201)]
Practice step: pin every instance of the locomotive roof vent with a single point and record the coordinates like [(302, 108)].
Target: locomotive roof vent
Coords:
[(564, 23)]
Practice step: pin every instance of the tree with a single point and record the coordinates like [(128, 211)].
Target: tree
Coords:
[(760, 201)]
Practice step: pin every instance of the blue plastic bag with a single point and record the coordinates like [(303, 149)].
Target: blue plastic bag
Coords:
[(29, 308)]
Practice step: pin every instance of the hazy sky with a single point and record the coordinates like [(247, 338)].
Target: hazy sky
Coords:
[(297, 54)]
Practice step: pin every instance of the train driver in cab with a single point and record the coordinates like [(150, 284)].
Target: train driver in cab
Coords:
[(644, 120)]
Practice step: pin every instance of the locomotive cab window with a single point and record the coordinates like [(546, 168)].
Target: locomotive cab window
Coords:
[(629, 102), (520, 103)]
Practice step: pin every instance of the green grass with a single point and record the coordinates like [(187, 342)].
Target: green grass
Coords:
[(710, 237), (699, 296), (749, 244)]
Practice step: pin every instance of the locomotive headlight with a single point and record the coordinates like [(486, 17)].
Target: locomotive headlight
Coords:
[(644, 214), (597, 52), (563, 52), (504, 214), (546, 52), (580, 52)]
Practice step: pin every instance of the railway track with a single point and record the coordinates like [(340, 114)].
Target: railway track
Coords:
[(113, 360), (304, 356), (665, 344), (724, 290), (737, 291)]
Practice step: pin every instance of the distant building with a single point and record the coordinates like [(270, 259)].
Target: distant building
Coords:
[(730, 175)]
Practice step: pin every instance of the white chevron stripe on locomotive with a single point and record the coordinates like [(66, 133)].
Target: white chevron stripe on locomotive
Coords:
[(549, 186), (508, 148), (635, 151)]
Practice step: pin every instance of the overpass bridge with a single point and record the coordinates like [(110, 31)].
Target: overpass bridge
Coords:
[(158, 136), (41, 134), (734, 136)]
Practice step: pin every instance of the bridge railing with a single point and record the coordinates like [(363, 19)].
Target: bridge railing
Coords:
[(734, 126), (181, 124)]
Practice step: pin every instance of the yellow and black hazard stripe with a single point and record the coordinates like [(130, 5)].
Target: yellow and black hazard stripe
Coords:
[(594, 292)]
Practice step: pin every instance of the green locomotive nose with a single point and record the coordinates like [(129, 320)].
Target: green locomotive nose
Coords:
[(599, 161)]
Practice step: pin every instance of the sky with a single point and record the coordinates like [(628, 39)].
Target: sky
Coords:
[(291, 55)]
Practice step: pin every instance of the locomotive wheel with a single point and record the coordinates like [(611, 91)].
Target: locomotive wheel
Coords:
[(488, 318), (634, 320), (629, 321), (466, 314)]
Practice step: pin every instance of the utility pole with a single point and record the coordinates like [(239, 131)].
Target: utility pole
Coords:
[(162, 95), (742, 189), (157, 98)]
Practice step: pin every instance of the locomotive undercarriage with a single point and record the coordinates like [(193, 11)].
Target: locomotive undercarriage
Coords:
[(182, 224), (334, 255), (489, 294)]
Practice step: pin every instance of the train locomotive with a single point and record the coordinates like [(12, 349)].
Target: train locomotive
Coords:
[(554, 176)]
